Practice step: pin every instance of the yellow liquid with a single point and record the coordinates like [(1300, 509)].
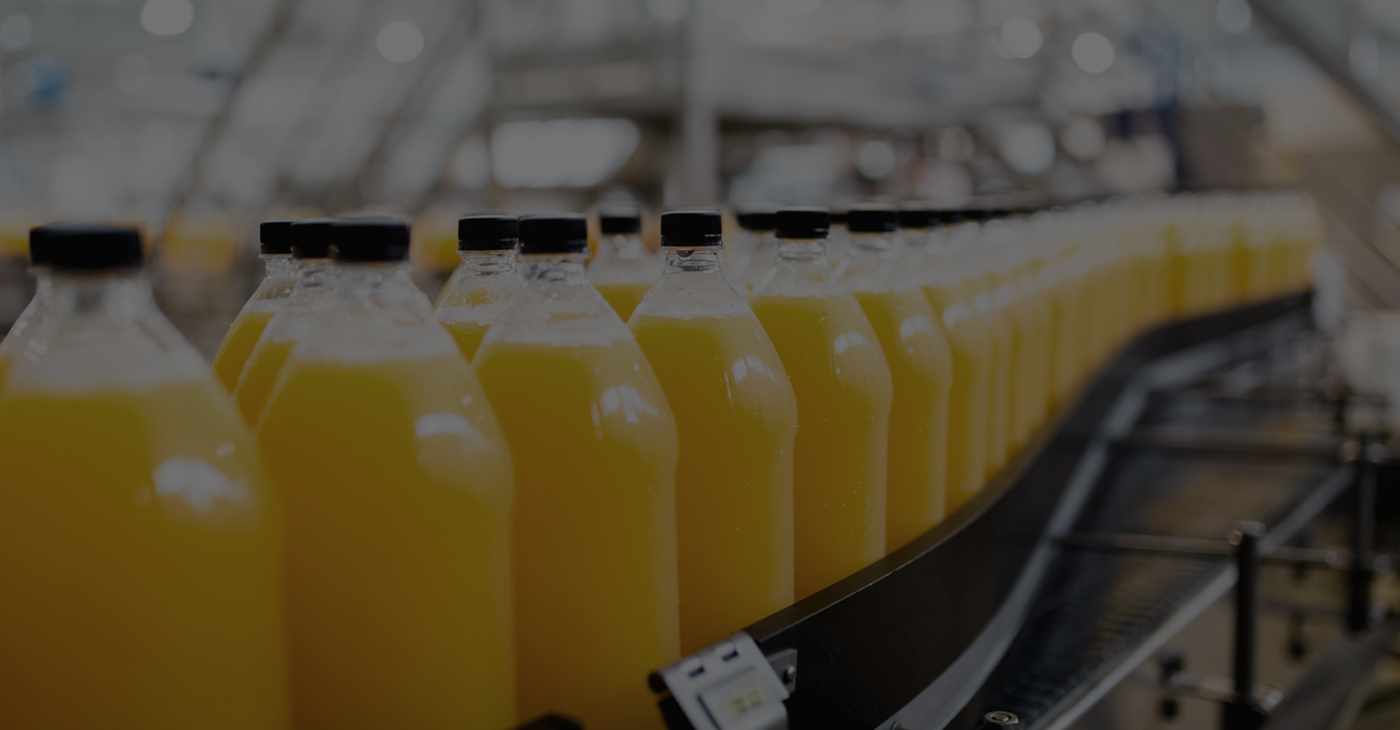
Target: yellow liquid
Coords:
[(921, 369), (139, 551), (737, 417), (467, 335), (970, 395), (843, 386), (259, 375), (623, 298), (238, 345), (397, 486), (595, 526), (1002, 336), (1030, 328)]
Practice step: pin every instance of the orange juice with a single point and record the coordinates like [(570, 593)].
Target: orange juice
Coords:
[(267, 300), (139, 543), (921, 371), (595, 451), (397, 483), (481, 288), (970, 396), (401, 593), (844, 392), (736, 417), (623, 270), (311, 298)]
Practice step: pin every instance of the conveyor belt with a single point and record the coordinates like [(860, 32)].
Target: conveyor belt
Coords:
[(1095, 605)]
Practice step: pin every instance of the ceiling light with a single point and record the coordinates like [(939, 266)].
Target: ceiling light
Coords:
[(400, 42), (167, 17), (1093, 53), (1021, 38)]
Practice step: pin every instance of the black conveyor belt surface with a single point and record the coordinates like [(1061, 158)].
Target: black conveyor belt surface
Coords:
[(1094, 605)]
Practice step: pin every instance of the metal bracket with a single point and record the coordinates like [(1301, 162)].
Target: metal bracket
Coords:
[(729, 686)]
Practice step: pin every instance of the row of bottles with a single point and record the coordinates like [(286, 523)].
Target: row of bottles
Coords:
[(516, 502)]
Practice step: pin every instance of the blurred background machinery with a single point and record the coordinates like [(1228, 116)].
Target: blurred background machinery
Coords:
[(199, 117)]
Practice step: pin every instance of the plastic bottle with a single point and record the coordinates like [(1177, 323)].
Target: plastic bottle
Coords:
[(921, 369), (139, 542), (595, 463), (482, 287), (312, 297), (397, 484), (839, 237), (968, 400), (40, 308), (757, 226), (838, 371), (737, 417), (624, 270), (964, 247), (1015, 293), (271, 295)]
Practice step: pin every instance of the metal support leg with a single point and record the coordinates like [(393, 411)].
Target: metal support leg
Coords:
[(1243, 712), (1363, 540)]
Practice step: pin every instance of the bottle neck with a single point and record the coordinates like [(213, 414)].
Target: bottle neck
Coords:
[(628, 245), (362, 278), (489, 263), (871, 244), (550, 269), (699, 260), (802, 250), (121, 295), (279, 266), (313, 273)]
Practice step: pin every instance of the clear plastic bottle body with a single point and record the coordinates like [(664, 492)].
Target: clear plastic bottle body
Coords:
[(736, 416), (247, 328), (398, 490), (478, 294), (595, 463), (15, 345), (762, 258), (921, 370), (136, 525), (624, 271), (842, 382), (312, 297), (930, 259)]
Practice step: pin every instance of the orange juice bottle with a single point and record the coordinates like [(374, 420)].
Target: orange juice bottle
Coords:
[(139, 543), (929, 259), (247, 328), (1014, 294), (757, 226), (844, 392), (838, 240), (736, 416), (482, 287), (312, 296), (921, 370), (15, 345), (623, 270), (965, 249), (595, 465), (398, 491)]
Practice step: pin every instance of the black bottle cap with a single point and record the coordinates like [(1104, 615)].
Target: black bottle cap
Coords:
[(756, 220), (916, 215), (840, 216), (369, 240), (86, 246), (980, 214), (802, 222), (619, 221), (553, 233), (951, 217), (692, 228), (312, 238), (872, 218), (487, 233), (275, 237)]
